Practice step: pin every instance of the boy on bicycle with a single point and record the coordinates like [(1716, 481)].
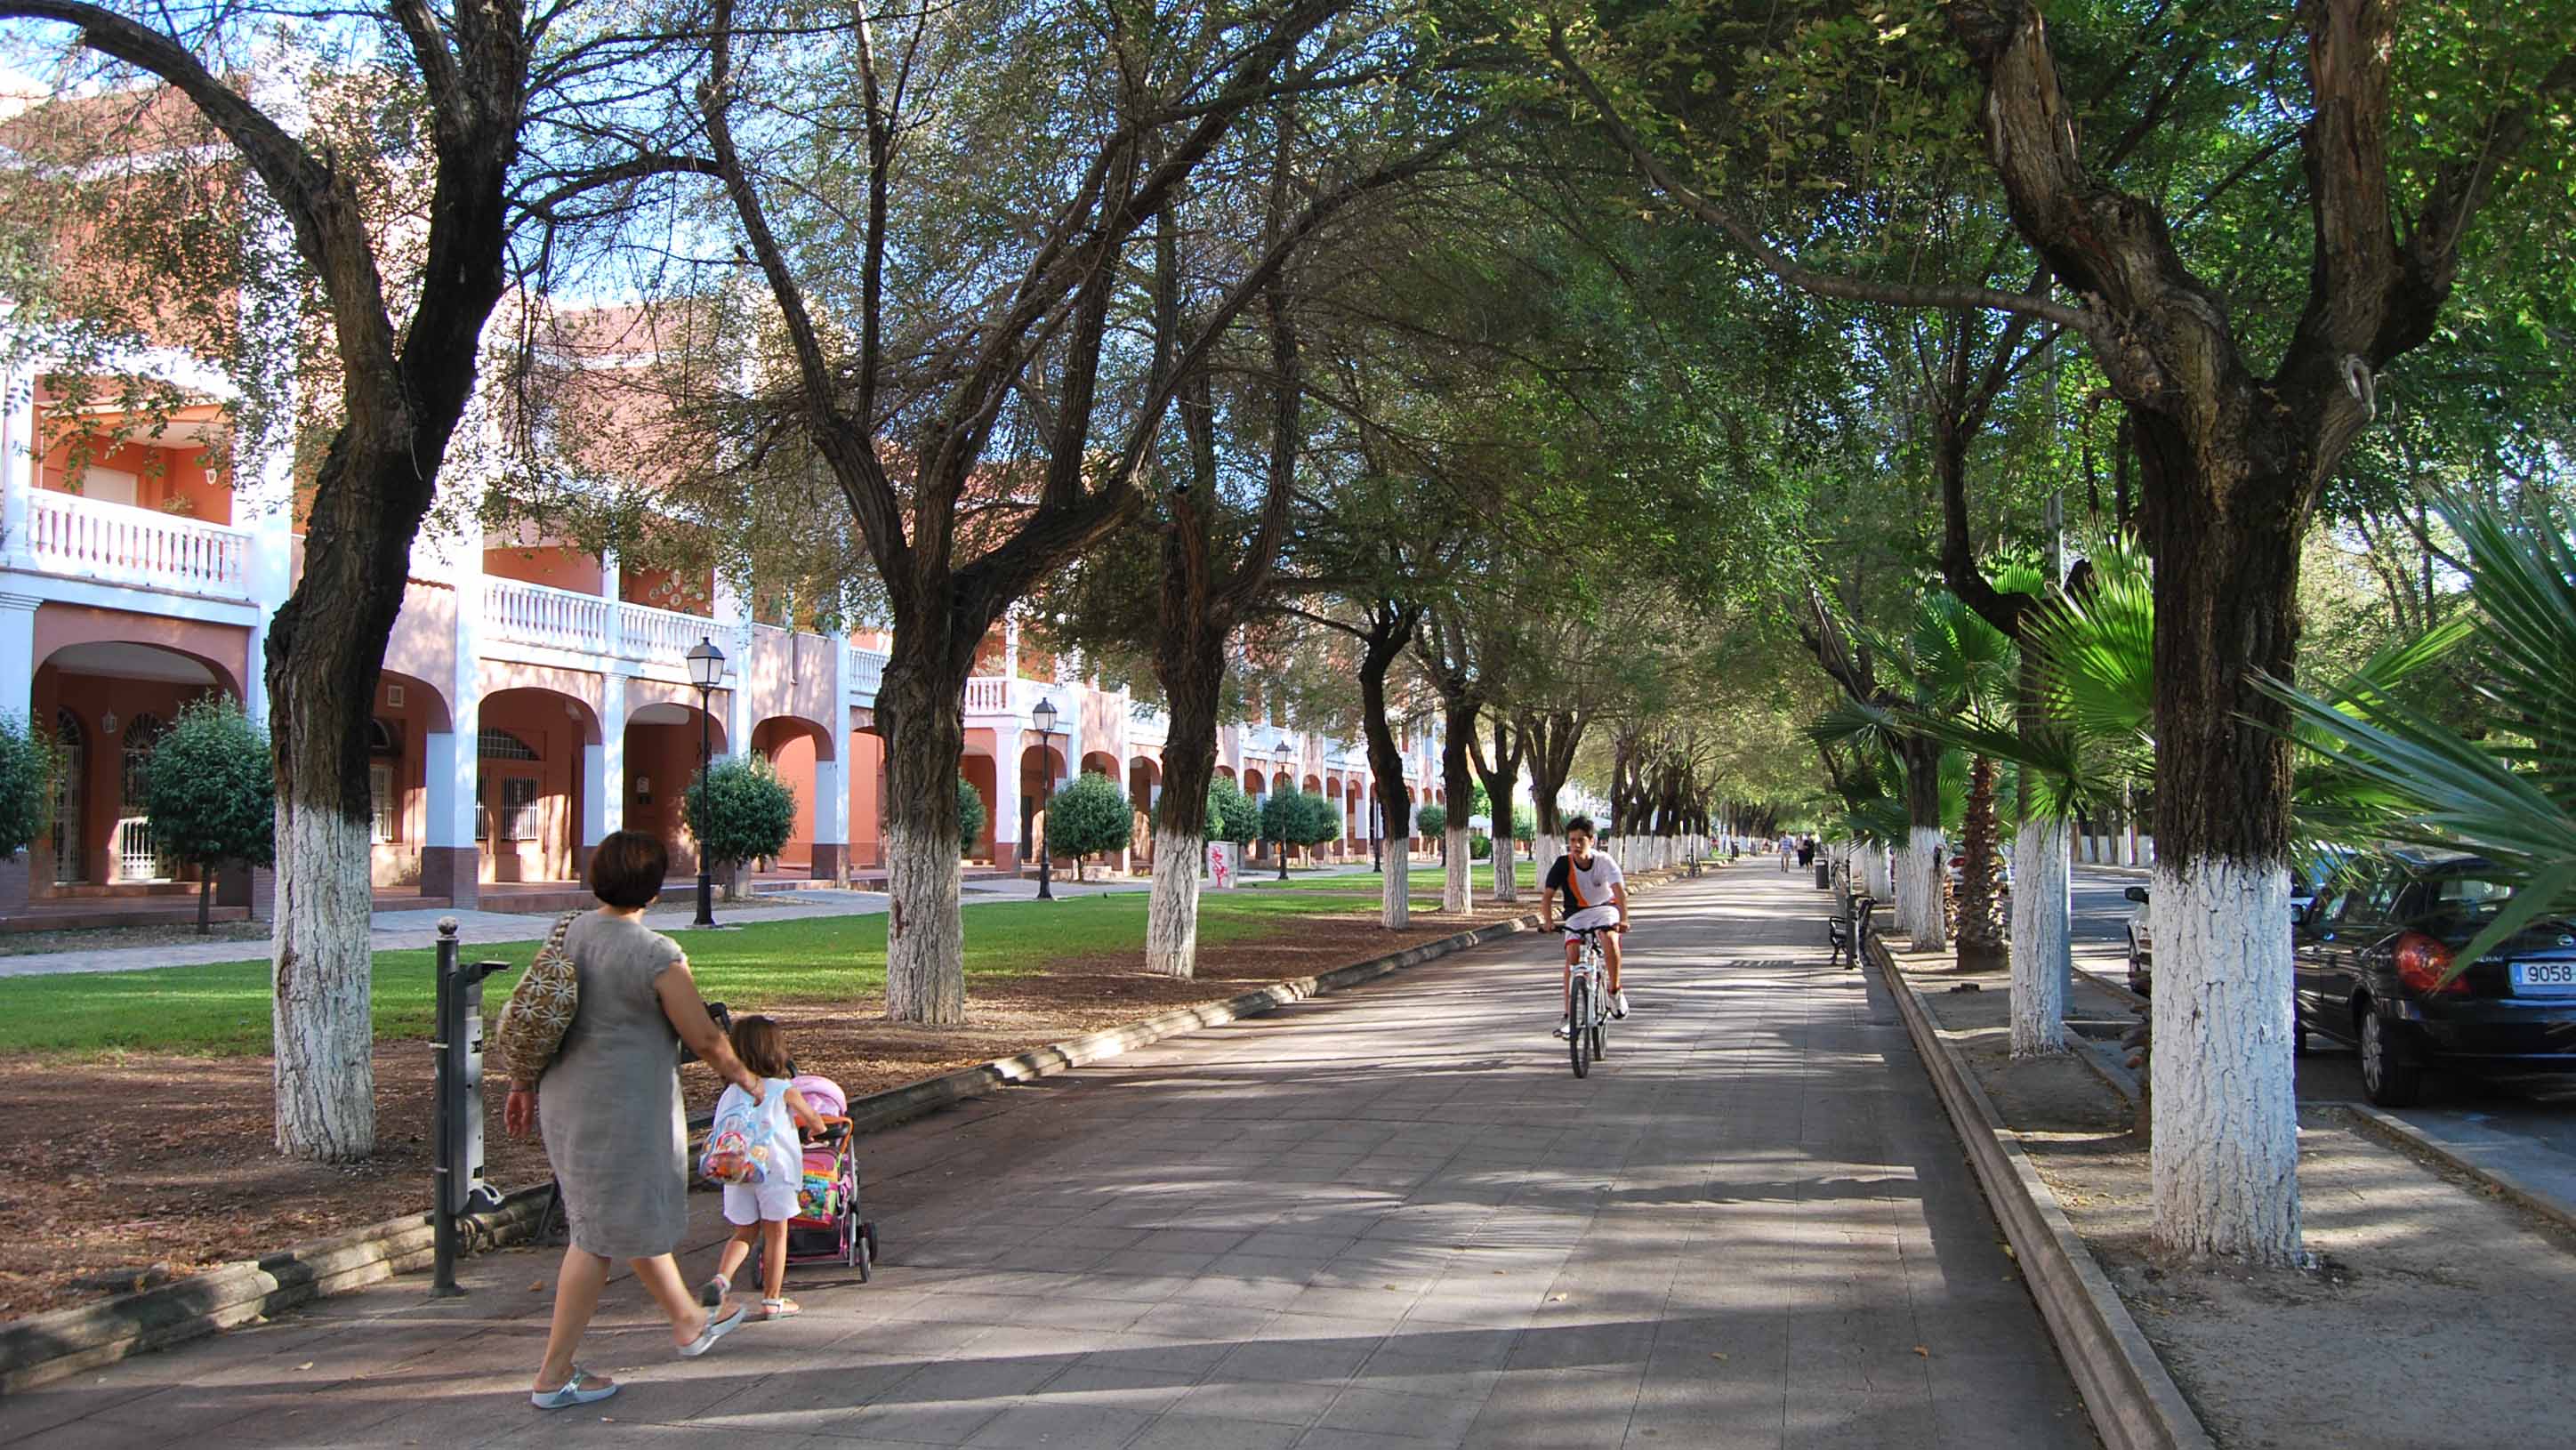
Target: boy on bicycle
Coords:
[(1596, 895)]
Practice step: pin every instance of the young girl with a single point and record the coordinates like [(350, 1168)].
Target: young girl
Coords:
[(760, 1211)]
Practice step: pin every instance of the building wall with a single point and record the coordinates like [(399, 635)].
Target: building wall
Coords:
[(558, 566), (170, 477)]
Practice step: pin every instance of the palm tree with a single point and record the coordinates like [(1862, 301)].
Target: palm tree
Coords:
[(2511, 796)]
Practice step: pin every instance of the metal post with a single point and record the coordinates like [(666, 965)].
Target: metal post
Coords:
[(706, 760), (1046, 797), (442, 1284)]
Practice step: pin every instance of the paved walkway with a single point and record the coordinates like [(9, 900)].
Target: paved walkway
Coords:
[(1385, 1219)]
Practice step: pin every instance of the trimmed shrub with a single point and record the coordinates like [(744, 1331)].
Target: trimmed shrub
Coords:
[(1431, 821), (1480, 848), (1231, 815), (970, 818), (210, 791), (740, 811), (29, 761), (1087, 817)]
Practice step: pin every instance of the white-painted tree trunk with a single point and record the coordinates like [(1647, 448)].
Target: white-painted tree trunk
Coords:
[(925, 941), (1172, 915), (1395, 893), (322, 962), (1882, 876), (1545, 850), (1918, 896), (2226, 1159), (1457, 885), (2041, 949), (1507, 871)]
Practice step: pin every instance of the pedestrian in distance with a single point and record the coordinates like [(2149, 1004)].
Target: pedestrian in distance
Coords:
[(760, 1130), (609, 1108)]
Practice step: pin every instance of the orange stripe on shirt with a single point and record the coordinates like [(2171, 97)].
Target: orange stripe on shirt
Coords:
[(1573, 889)]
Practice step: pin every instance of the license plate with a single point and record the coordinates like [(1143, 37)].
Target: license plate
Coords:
[(2545, 974)]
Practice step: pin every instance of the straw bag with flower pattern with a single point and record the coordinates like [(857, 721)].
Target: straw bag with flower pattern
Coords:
[(540, 1011)]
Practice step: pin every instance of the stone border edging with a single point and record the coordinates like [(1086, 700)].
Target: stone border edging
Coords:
[(50, 1346), (46, 1347), (2132, 1398), (2407, 1138)]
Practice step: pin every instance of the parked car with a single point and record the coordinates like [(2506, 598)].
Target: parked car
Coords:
[(2303, 892), (1950, 862), (2374, 964)]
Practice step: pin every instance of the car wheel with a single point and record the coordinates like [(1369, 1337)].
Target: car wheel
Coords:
[(2386, 1077), (2298, 1030)]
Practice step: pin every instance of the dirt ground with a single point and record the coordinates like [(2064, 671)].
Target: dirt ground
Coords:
[(2437, 1314), (129, 1170)]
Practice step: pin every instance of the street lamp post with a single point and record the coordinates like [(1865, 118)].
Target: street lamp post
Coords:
[(1044, 714), (706, 671)]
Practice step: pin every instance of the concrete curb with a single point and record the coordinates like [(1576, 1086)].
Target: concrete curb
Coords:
[(2407, 1138), (2133, 1400), (46, 1347)]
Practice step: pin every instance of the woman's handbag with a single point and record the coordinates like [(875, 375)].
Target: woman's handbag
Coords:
[(540, 1010)]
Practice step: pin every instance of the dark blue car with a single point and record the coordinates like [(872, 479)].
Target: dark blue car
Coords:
[(2374, 963)]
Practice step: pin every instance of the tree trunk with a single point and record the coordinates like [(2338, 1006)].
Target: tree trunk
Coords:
[(920, 705), (326, 650), (1981, 930), (206, 901), (1498, 784), (1391, 629), (2225, 1114), (2042, 957), (1920, 912), (1172, 917)]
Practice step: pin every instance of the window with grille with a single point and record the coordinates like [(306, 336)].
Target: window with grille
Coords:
[(380, 792), (502, 745), (518, 808)]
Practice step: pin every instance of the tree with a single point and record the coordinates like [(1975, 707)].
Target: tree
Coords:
[(903, 406), (1231, 815), (1285, 819), (970, 816), (1088, 817), (1432, 821), (210, 792), (30, 763), (739, 811), (2233, 453), (487, 135)]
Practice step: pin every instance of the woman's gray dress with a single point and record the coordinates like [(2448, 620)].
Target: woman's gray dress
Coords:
[(610, 1105)]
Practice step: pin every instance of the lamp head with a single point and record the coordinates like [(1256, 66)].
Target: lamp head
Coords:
[(706, 664), (1044, 713)]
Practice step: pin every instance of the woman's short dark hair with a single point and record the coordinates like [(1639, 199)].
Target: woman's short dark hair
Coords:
[(760, 1045), (627, 867), (1581, 823)]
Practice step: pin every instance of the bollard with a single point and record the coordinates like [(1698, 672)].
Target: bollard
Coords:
[(457, 1176)]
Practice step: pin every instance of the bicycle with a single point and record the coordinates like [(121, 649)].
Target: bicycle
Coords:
[(1587, 1019)]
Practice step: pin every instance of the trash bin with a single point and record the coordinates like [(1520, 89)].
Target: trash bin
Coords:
[(1824, 877)]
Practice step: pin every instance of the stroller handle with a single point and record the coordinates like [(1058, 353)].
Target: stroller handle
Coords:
[(834, 1130)]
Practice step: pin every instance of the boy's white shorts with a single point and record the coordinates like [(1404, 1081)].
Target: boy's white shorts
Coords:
[(1591, 916), (771, 1202)]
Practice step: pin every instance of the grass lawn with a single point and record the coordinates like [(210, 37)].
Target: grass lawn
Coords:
[(1424, 879), (222, 1009)]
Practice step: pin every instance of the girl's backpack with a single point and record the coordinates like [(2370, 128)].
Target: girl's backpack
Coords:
[(532, 1027), (738, 1145)]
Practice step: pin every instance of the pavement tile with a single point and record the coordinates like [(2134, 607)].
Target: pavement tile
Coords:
[(1207, 1432), (1281, 1402), (1059, 1427)]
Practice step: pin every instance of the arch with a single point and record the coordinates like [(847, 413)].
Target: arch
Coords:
[(1225, 772), (799, 750), (1314, 785), (1041, 766), (138, 855), (78, 639), (1281, 780), (978, 771), (1101, 761), (414, 702), (529, 747), (774, 733)]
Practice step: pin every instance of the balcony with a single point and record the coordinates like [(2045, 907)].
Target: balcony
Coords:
[(117, 543), (988, 695), (1147, 725), (586, 624), (863, 672)]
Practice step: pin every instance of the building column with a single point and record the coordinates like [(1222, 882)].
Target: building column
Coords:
[(603, 773), (18, 662), (733, 621), (1006, 800), (17, 461), (451, 862), (270, 501), (611, 588)]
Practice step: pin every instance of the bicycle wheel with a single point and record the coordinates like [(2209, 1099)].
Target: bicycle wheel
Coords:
[(1600, 1040), (1578, 1037)]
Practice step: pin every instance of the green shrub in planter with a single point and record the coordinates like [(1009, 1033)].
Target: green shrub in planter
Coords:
[(1087, 817)]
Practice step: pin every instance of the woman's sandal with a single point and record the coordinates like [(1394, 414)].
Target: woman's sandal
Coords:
[(780, 1308), (571, 1392), (716, 1329)]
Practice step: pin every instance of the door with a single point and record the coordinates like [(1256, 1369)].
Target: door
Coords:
[(71, 799), (137, 858)]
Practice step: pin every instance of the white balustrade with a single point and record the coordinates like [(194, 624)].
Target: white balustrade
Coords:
[(122, 544), (1147, 725), (988, 695), (646, 633), (542, 615), (865, 673)]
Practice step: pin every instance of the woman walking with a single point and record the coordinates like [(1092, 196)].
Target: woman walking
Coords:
[(609, 1106)]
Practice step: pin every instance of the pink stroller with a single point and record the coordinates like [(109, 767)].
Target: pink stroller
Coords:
[(827, 1227)]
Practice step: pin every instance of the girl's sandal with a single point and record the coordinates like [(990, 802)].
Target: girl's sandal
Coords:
[(581, 1388), (780, 1309)]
